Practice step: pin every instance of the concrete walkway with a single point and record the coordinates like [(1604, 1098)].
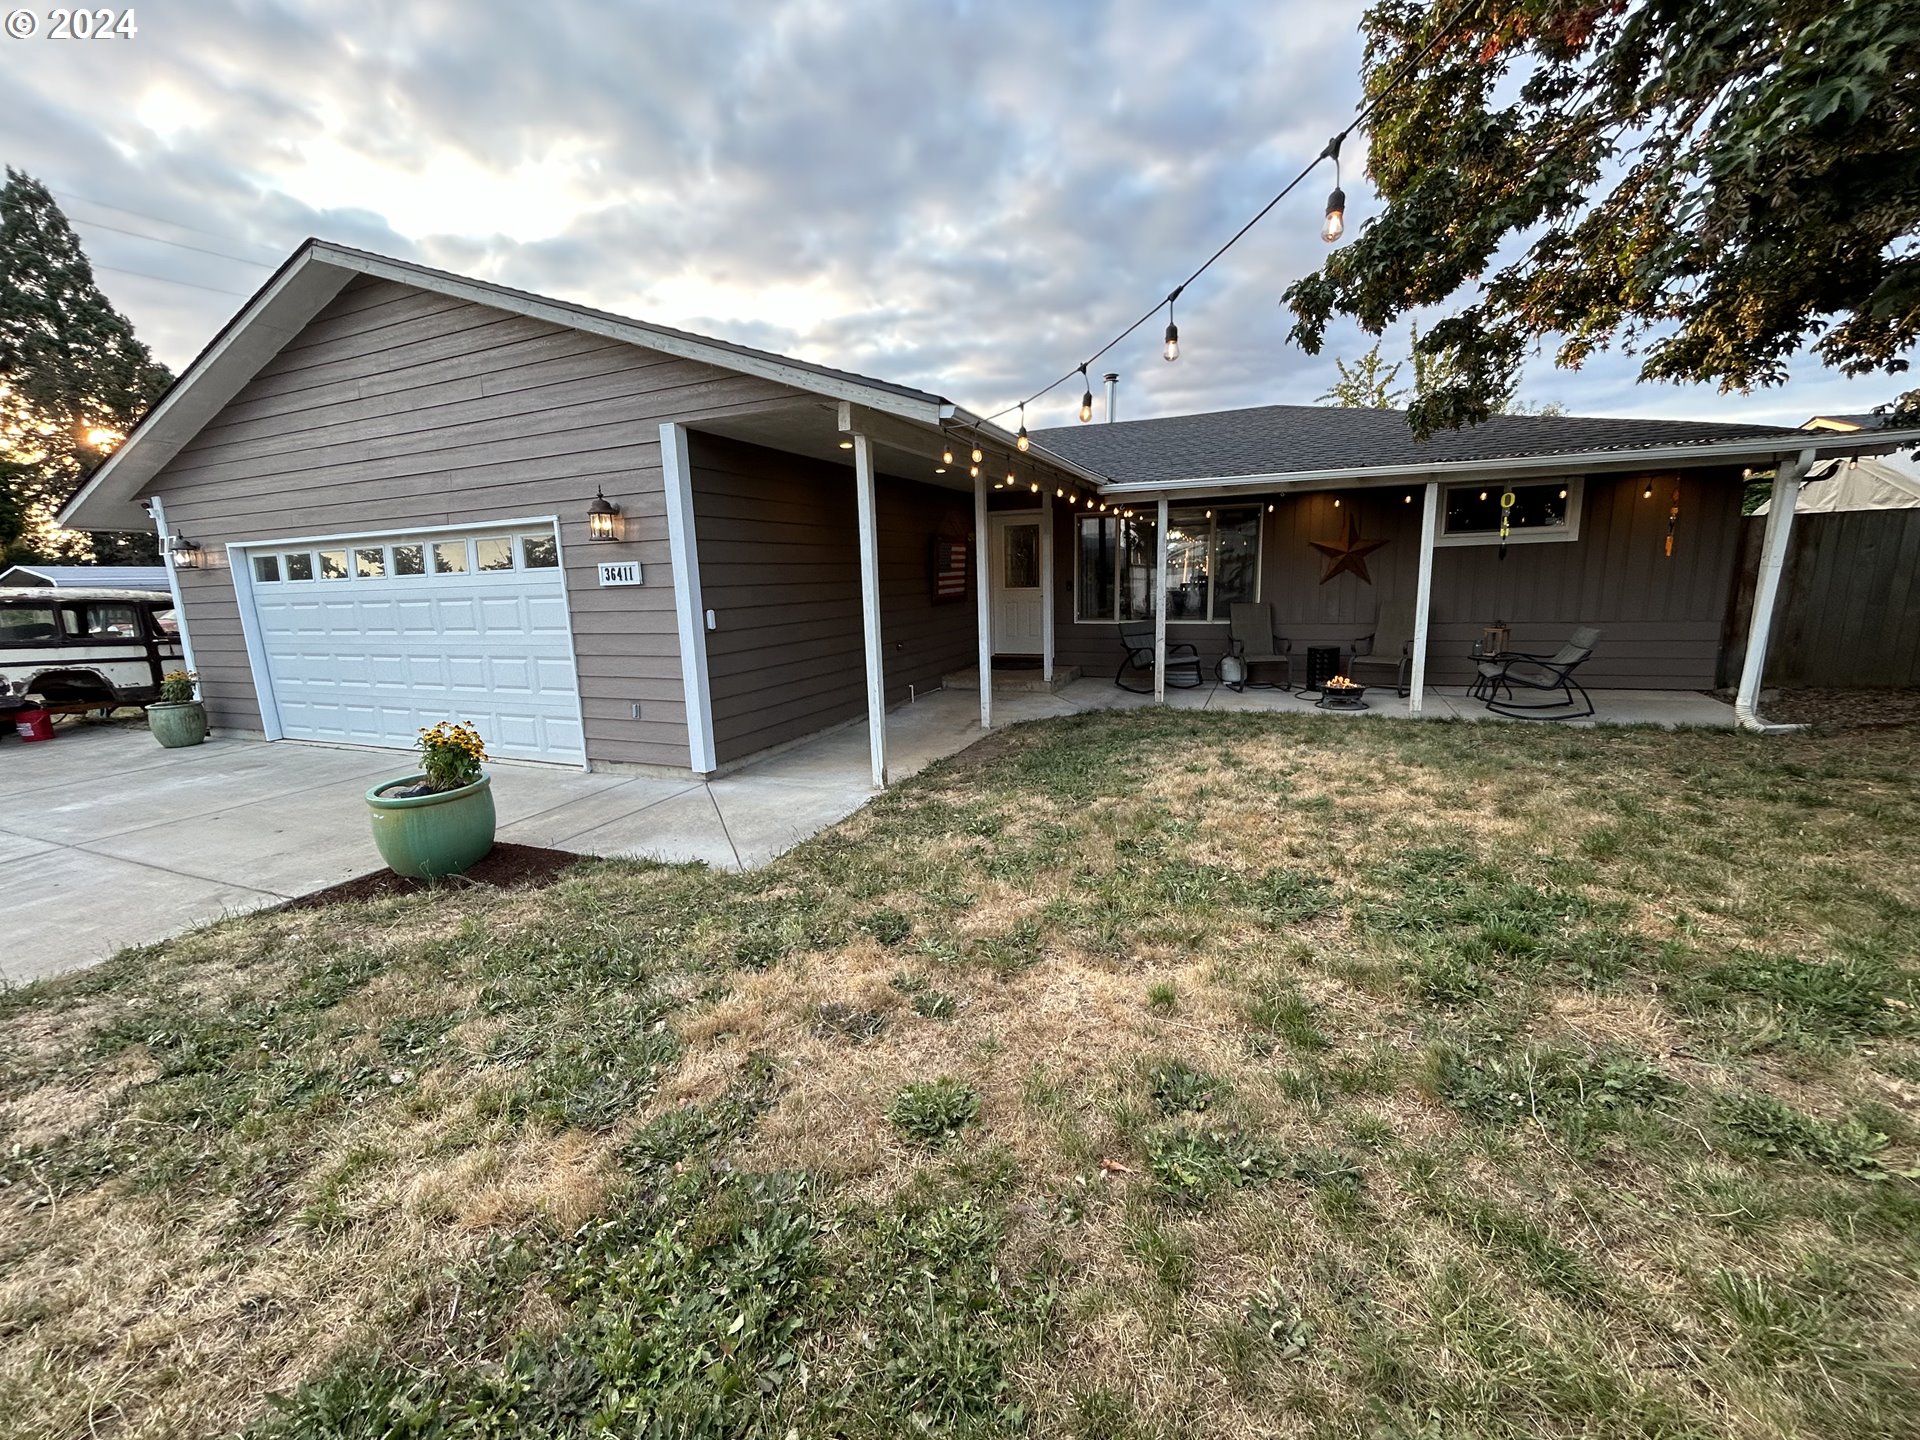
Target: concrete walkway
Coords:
[(106, 840)]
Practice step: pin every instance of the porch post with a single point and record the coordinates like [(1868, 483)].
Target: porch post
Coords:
[(870, 609), (982, 581), (1159, 607), (1423, 600), (1046, 586), (1766, 595), (683, 548)]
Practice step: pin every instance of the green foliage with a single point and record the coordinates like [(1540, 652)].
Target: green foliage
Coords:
[(1771, 1127), (1162, 997), (1368, 383), (889, 927), (1191, 1164), (1581, 1098), (1177, 1087), (1854, 994), (69, 367), (1710, 184), (931, 1111)]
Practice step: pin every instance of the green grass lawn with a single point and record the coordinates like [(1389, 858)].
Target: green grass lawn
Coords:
[(1140, 1074)]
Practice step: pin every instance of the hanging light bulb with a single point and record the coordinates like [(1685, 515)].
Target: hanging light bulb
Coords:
[(1058, 491), (946, 453), (1021, 438), (974, 471), (1086, 397), (1336, 222), (1171, 350), (1646, 494), (977, 456)]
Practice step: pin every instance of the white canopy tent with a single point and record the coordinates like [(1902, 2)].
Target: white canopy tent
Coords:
[(1865, 482)]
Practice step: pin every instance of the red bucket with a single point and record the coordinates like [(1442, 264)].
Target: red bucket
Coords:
[(34, 725)]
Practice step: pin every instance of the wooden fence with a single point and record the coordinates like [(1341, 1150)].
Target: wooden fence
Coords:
[(1850, 601)]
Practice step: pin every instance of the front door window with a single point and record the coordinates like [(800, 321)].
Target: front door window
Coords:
[(1023, 556)]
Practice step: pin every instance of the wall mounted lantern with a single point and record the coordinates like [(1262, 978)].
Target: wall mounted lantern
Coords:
[(603, 517), (186, 555)]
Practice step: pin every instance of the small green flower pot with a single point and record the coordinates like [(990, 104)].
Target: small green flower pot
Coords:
[(178, 726), (426, 836)]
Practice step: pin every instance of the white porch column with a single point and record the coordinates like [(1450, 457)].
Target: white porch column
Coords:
[(1766, 594), (870, 609), (683, 549), (1159, 607), (982, 585), (159, 509), (1046, 586), (1423, 600)]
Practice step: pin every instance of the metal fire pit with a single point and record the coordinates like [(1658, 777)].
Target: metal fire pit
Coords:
[(1342, 697)]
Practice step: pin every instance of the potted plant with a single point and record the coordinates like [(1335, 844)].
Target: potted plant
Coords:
[(176, 718), (440, 820)]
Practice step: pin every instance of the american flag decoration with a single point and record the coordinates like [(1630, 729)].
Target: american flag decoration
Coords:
[(952, 569)]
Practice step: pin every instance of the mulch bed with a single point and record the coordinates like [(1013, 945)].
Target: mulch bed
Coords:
[(1835, 709), (507, 867)]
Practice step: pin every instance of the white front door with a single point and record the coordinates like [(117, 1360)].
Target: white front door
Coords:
[(368, 641), (1016, 584)]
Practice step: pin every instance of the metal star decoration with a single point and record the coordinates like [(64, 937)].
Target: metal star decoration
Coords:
[(1350, 555)]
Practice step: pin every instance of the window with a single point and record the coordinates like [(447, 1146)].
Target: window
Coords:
[(495, 553), (1213, 559), (409, 560), (539, 552), (1022, 557), (370, 564), (299, 565), (26, 625), (266, 568), (333, 564), (1549, 510), (100, 622), (450, 557), (166, 622)]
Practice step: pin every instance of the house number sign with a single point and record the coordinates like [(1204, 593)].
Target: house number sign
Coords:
[(620, 572)]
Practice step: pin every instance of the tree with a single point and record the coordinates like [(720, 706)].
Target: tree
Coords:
[(73, 380), (1714, 185), (1368, 383)]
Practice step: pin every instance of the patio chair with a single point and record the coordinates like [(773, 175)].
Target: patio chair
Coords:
[(1254, 641), (1543, 674), (1136, 638), (1392, 648)]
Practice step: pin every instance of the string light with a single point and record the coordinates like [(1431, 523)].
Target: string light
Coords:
[(1021, 438), (1336, 203), (1336, 224), (977, 455), (1171, 350), (946, 454)]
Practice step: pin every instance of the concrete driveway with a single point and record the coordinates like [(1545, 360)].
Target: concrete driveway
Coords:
[(107, 840)]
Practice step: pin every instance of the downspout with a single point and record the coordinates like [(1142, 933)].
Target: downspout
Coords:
[(157, 508), (1766, 595)]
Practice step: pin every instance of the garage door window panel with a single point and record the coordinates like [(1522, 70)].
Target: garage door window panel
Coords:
[(409, 560), (539, 552), (299, 565), (493, 553), (370, 563), (450, 557), (266, 569), (333, 564)]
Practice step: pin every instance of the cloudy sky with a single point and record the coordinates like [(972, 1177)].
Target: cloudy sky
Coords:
[(968, 195)]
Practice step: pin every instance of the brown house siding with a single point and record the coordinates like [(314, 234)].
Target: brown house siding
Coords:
[(780, 570), (1660, 618), (397, 407)]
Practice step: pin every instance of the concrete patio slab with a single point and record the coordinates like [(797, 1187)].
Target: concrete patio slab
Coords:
[(172, 838)]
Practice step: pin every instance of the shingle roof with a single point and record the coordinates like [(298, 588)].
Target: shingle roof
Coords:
[(1287, 439), (108, 577)]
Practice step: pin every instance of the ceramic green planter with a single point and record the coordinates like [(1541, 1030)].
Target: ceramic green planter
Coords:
[(178, 726), (426, 836)]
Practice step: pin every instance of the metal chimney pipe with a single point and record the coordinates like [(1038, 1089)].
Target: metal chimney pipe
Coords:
[(1112, 377)]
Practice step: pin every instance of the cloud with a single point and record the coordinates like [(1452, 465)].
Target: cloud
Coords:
[(967, 195)]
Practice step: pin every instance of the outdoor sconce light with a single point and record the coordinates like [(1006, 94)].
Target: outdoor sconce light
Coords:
[(186, 555), (603, 517)]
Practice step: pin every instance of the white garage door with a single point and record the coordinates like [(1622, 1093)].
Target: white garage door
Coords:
[(367, 641)]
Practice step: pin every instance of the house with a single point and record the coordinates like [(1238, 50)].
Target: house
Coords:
[(392, 494), (87, 577)]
